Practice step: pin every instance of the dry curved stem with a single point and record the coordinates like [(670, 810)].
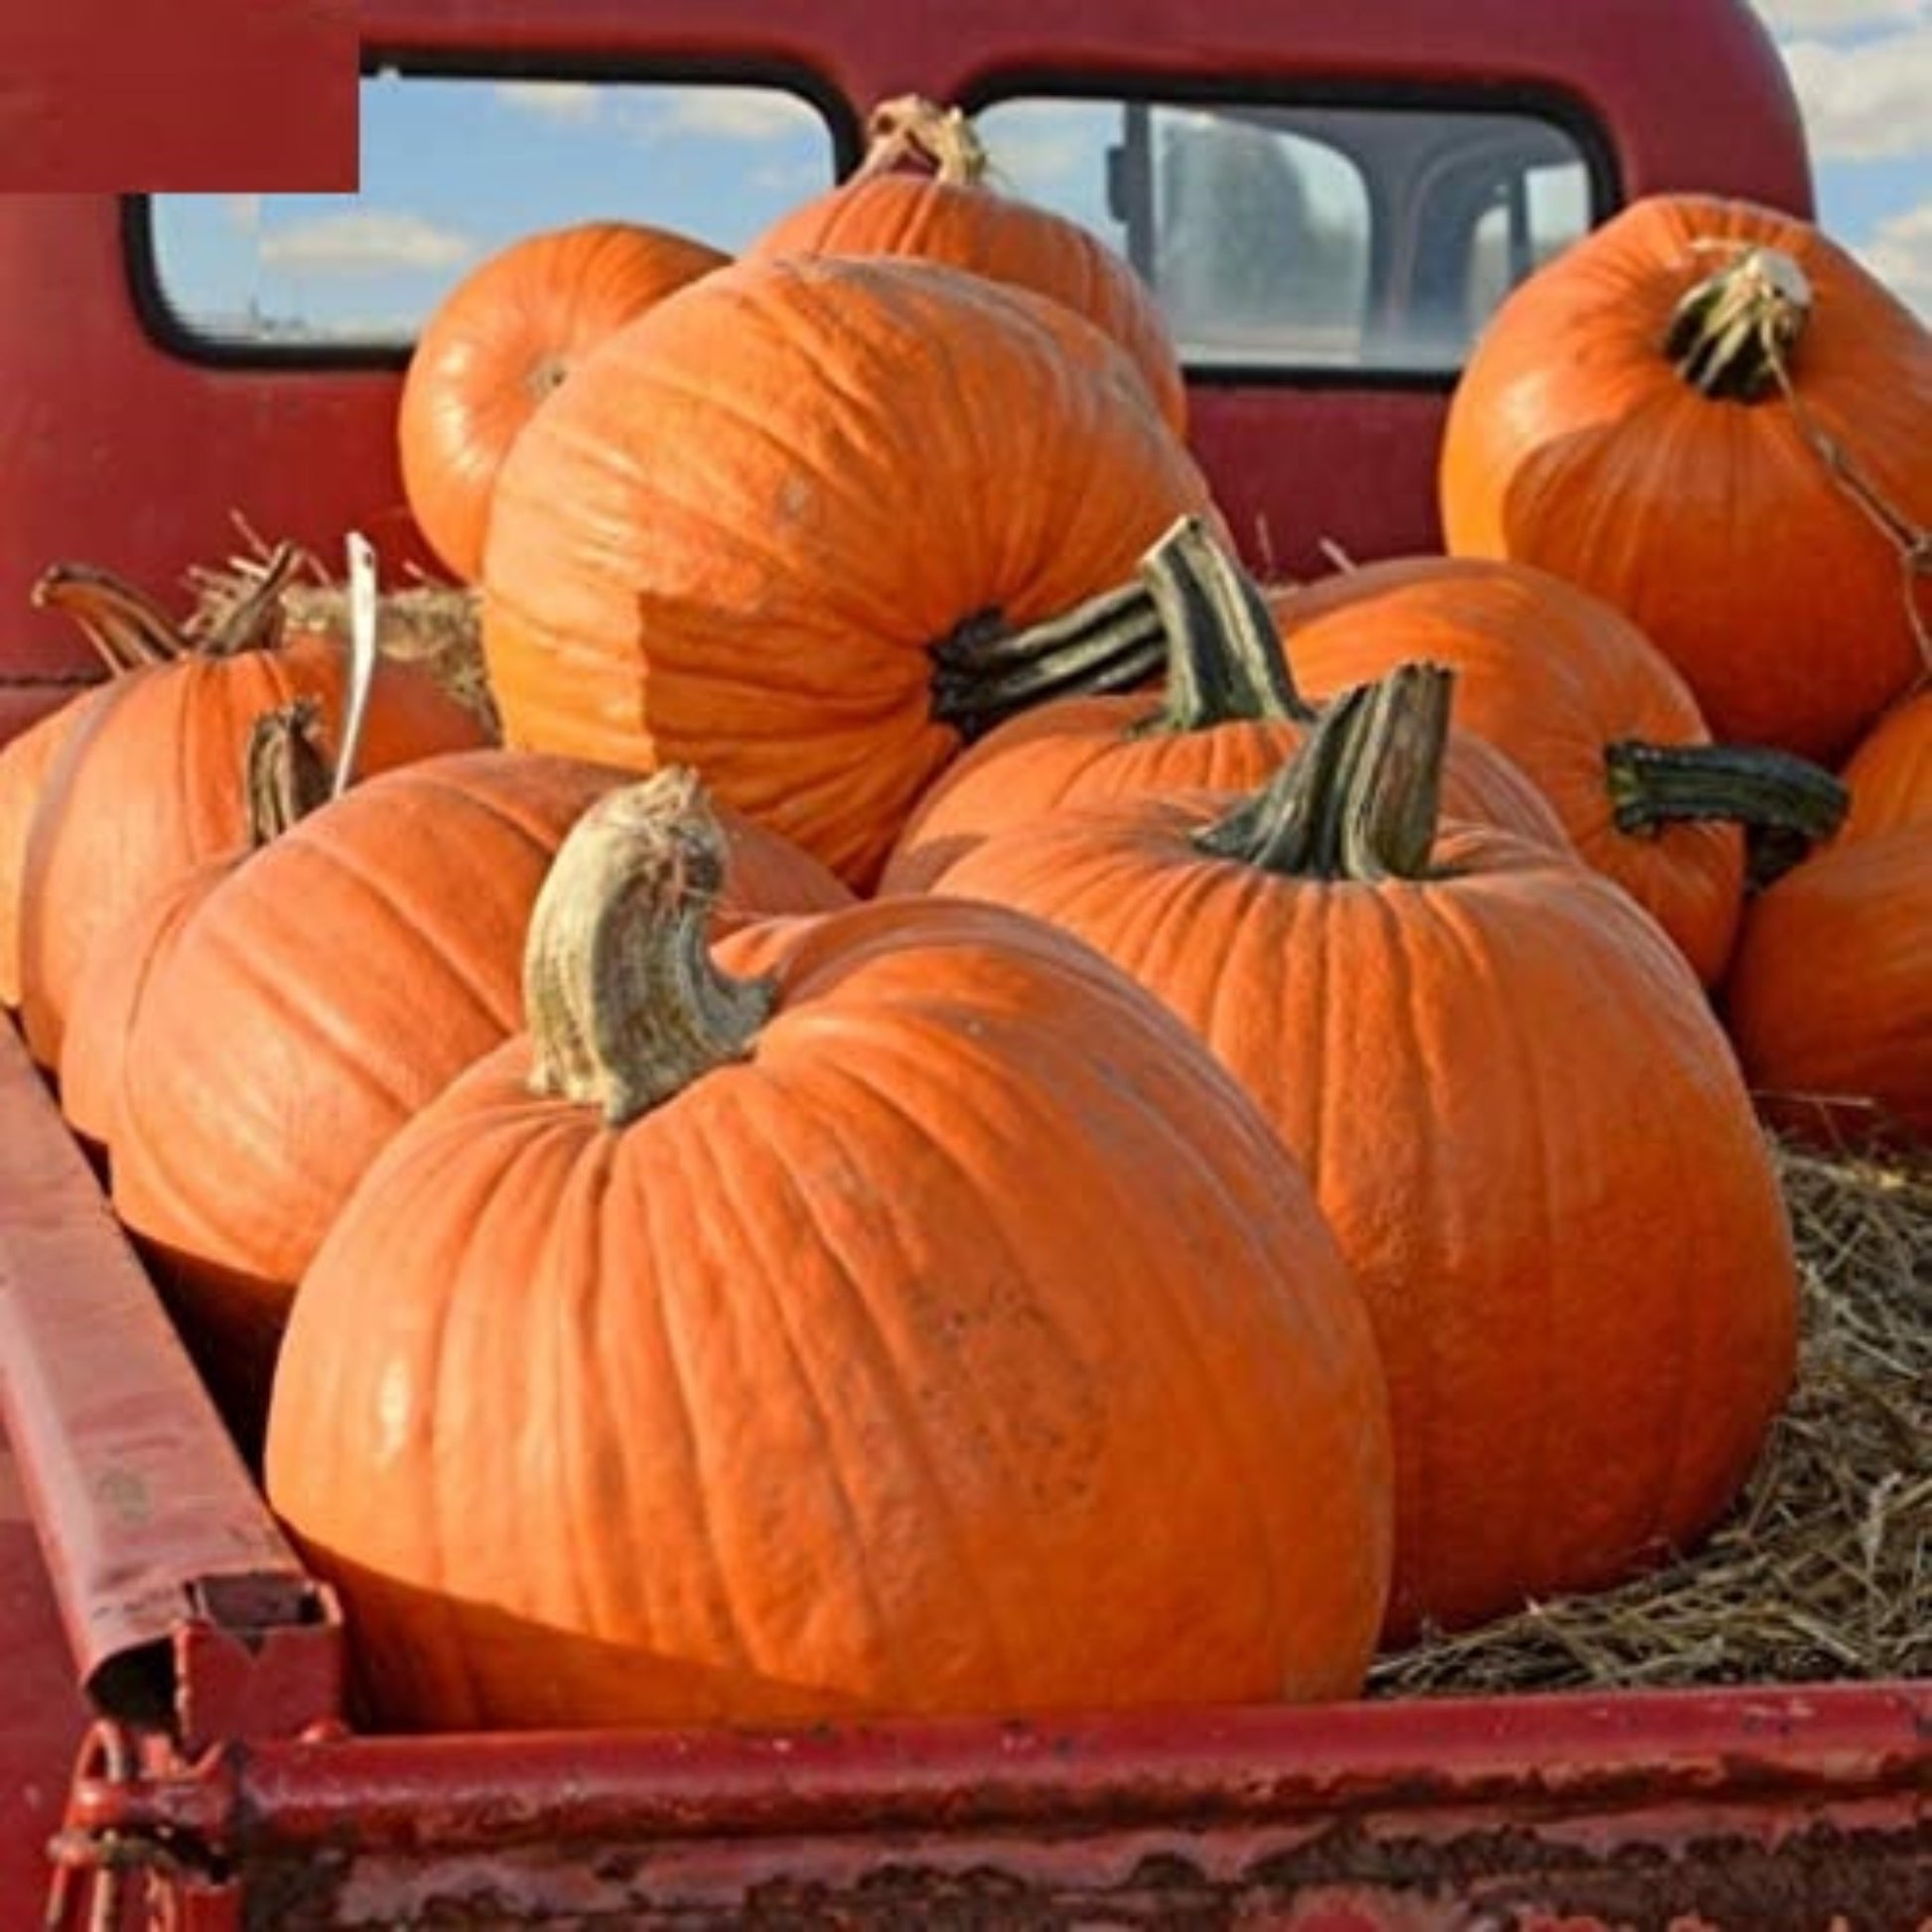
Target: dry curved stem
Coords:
[(1732, 335), (625, 1007), (1361, 797), (125, 626), (910, 134), (285, 769), (255, 620)]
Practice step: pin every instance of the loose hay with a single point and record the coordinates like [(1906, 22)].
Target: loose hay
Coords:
[(424, 622), (1824, 1570)]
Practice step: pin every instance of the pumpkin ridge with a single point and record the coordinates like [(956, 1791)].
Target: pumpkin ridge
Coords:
[(937, 1495)]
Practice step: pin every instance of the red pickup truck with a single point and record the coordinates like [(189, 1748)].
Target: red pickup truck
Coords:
[(1329, 198)]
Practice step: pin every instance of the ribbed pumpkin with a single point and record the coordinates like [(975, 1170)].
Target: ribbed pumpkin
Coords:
[(793, 529), (1521, 1119), (1230, 715), (923, 191), (500, 342), (321, 995), (930, 1327), (1830, 997), (1889, 776), (149, 785), (286, 776), (1714, 417), (1584, 704)]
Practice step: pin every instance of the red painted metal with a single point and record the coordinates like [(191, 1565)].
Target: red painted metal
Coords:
[(111, 441), (181, 1600), (97, 97)]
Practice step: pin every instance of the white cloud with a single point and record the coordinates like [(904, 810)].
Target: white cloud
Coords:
[(572, 102), (1869, 100), (734, 113), (368, 242), (245, 211), (1834, 17), (1899, 253)]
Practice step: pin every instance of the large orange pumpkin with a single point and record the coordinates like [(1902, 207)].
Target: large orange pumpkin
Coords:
[(1830, 997), (930, 1327), (1889, 776), (1584, 704), (1520, 1116), (148, 785), (803, 527), (286, 776), (318, 997), (1230, 715), (1714, 417), (923, 191), (500, 342)]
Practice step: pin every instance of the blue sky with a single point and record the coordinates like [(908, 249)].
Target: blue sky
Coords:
[(454, 170)]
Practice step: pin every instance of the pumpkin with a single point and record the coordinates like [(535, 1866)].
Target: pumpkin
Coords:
[(1587, 707), (1830, 997), (1889, 776), (923, 191), (321, 995), (927, 1327), (1231, 713), (500, 342), (1714, 417), (286, 775), (809, 523), (1520, 1117), (147, 786)]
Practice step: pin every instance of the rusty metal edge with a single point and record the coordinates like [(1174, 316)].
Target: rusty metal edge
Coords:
[(140, 1501)]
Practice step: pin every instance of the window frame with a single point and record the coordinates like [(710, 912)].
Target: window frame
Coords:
[(177, 335), (1552, 106)]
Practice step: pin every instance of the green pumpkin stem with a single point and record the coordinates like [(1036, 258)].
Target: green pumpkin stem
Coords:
[(624, 1006), (285, 771), (125, 626), (1731, 336), (1190, 607), (1226, 660), (1654, 785), (1361, 799)]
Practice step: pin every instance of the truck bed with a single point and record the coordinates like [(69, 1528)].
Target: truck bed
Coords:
[(156, 1624)]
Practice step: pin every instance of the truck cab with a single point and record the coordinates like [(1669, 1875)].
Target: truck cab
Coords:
[(1328, 201)]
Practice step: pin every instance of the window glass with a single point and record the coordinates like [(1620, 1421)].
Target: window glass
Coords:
[(1304, 235), (453, 169)]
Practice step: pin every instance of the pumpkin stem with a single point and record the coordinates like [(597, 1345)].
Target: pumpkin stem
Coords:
[(1732, 334), (910, 134), (1654, 785), (254, 621), (1361, 797), (1225, 659), (626, 1008), (125, 626), (285, 773)]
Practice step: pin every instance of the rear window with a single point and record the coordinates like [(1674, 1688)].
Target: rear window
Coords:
[(1309, 236), (453, 168)]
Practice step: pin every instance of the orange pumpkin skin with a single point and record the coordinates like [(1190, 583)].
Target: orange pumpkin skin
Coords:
[(1552, 676), (1889, 776), (975, 229), (1571, 443), (24, 765), (500, 342), (732, 541), (953, 1352), (1497, 1081), (148, 786), (1830, 997), (1085, 752), (319, 996)]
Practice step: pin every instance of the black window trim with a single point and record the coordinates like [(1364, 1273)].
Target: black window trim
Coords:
[(1549, 104), (175, 334)]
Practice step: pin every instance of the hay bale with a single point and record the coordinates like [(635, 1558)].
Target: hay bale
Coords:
[(1824, 1570)]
